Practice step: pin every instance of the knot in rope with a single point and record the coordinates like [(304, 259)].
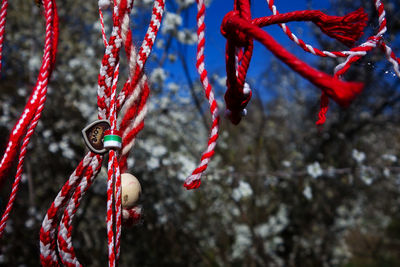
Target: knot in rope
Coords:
[(229, 31), (239, 50)]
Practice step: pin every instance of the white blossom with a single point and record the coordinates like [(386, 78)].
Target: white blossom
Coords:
[(307, 192), (386, 172), (187, 37), (153, 163), (171, 22), (242, 240), (242, 191), (173, 87), (286, 163), (314, 170), (29, 223), (389, 157), (187, 166), (160, 44), (184, 3), (53, 147), (221, 81), (366, 176), (158, 76), (22, 92), (159, 150), (358, 155), (34, 63)]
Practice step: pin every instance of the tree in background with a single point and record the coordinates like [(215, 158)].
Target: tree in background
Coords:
[(280, 191)]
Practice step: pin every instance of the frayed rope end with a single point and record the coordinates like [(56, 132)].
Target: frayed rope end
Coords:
[(347, 29)]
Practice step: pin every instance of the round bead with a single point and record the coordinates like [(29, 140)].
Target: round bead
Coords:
[(131, 190)]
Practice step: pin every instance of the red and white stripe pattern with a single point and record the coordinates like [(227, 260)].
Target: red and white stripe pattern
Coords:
[(353, 54), (32, 111), (87, 170), (194, 180), (64, 239), (113, 186), (134, 96), (48, 254), (3, 15), (136, 63)]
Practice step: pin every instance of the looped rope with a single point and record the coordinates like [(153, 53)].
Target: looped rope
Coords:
[(235, 25), (239, 49), (109, 104), (347, 29), (351, 56)]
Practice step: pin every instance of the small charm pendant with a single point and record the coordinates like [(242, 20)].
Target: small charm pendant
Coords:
[(93, 134)]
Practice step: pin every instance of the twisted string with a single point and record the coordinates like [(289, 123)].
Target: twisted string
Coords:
[(239, 29), (352, 55), (35, 107), (194, 180), (87, 170), (3, 15)]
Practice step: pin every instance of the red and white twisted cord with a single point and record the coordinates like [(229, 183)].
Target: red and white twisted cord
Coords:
[(110, 59), (40, 98), (65, 228), (49, 225), (113, 186), (64, 239), (48, 232), (145, 49), (3, 15), (194, 180), (48, 254), (134, 107), (358, 51)]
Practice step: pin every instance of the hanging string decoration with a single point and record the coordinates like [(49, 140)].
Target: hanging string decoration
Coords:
[(240, 30), (25, 127), (194, 180), (129, 105), (56, 232)]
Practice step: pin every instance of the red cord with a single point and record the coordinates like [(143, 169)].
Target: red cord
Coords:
[(240, 30), (29, 119), (68, 199)]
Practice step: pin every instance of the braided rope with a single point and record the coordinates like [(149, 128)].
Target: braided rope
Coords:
[(194, 180), (48, 256), (3, 15), (133, 114), (41, 88), (113, 173), (31, 106), (65, 230), (80, 181), (64, 238), (109, 63), (136, 63)]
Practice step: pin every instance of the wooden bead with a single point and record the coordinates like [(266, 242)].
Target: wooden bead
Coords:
[(131, 190)]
